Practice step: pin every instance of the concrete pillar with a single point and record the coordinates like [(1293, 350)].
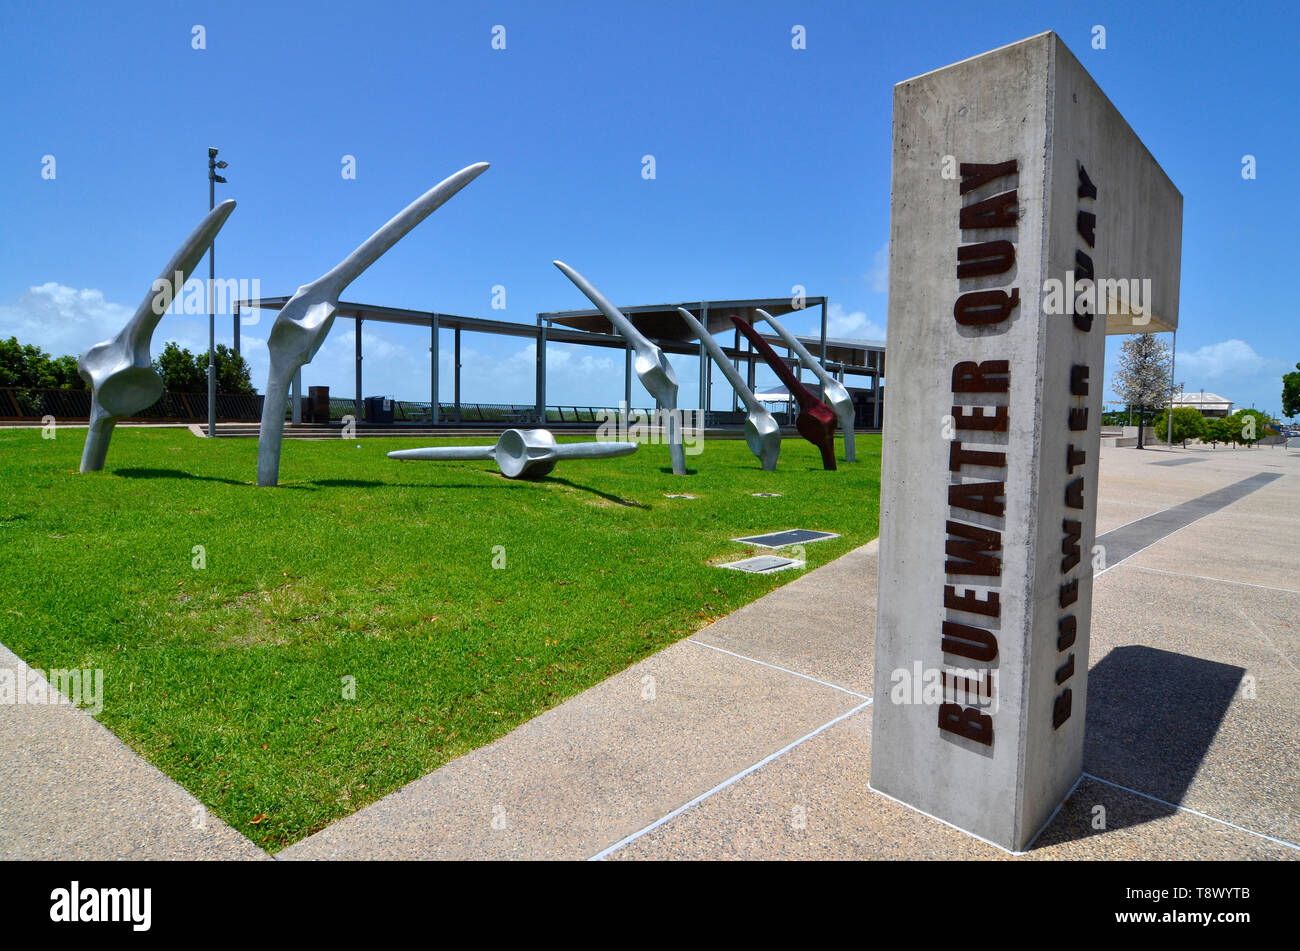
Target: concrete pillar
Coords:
[(989, 486), (792, 406), (235, 327), (541, 373), (735, 362), (456, 374), (875, 393), (708, 383), (627, 378), (706, 368), (821, 390), (704, 360), (357, 397), (434, 415)]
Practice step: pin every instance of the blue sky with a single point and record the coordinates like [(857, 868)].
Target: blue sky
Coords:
[(772, 164)]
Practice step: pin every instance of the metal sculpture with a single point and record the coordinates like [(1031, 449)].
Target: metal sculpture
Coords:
[(815, 422), (762, 433), (523, 453), (833, 392), (301, 326), (652, 367), (119, 372)]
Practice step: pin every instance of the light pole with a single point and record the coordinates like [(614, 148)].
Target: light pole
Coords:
[(1173, 356), (213, 178)]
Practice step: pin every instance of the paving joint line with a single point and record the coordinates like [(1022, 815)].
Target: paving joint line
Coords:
[(628, 840), (784, 670), (973, 835), (1195, 812), (1184, 574)]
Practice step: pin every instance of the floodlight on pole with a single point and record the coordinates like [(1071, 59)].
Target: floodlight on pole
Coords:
[(213, 180)]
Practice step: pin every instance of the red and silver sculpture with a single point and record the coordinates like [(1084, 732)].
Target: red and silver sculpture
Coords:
[(302, 324), (119, 372), (652, 367), (762, 432), (833, 391), (815, 422), (522, 453)]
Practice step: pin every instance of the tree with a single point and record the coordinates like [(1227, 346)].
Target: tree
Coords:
[(27, 366), (1291, 393), (185, 372), (233, 374), (65, 373), (12, 365), (1248, 426), (1188, 424), (180, 372), (1143, 379), (1217, 430)]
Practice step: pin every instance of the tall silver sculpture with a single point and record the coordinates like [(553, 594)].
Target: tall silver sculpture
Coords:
[(652, 367), (833, 392), (762, 433), (523, 453), (302, 324), (119, 372)]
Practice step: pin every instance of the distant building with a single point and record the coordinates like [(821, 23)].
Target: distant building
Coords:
[(1210, 404)]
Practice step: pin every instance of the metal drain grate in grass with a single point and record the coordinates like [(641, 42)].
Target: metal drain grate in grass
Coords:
[(678, 495), (762, 564), (793, 536), (766, 495)]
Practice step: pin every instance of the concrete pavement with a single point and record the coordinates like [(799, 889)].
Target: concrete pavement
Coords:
[(752, 737)]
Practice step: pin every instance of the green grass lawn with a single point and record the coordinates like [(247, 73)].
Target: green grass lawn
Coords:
[(231, 679)]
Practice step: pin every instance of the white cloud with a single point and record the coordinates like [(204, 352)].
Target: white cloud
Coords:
[(1227, 360), (878, 276), (854, 326), (62, 319)]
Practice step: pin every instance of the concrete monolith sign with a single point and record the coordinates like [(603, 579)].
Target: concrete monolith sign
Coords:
[(1028, 221)]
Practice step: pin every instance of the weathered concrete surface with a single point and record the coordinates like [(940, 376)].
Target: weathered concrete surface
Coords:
[(808, 805), (70, 789), (1025, 126), (1169, 718)]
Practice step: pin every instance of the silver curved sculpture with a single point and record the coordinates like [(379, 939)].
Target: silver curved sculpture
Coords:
[(833, 392), (119, 372), (523, 453), (652, 367), (303, 322), (762, 433)]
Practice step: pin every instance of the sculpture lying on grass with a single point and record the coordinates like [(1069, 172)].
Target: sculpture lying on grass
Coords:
[(652, 367), (762, 433), (119, 372), (815, 422), (303, 322), (523, 453), (833, 392)]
